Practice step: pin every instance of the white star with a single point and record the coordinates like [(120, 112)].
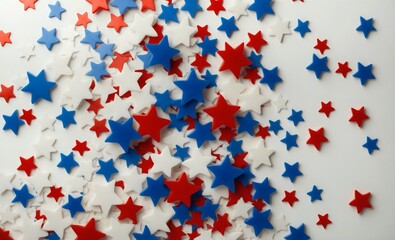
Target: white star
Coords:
[(104, 196), (5, 182), (230, 89), (45, 146), (85, 169), (119, 230), (214, 193), (204, 234), (240, 209), (133, 180), (181, 33), (28, 51), (103, 88), (143, 99), (127, 80), (239, 8), (280, 224), (279, 103), (83, 55), (30, 229), (156, 218), (39, 180), (279, 28), (59, 67), (164, 162), (117, 109), (252, 100), (142, 27), (197, 164), (46, 122), (69, 33), (260, 155), (56, 222), (174, 137), (78, 90)]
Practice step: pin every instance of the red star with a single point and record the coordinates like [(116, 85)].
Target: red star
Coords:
[(323, 220), (129, 210), (98, 5), (87, 232), (361, 201), (175, 232), (146, 165), (202, 32), (5, 38), (99, 127), (28, 4), (221, 224), (326, 108), (147, 5), (343, 69), (94, 105), (196, 219), (40, 216), (263, 132), (222, 113), (117, 22), (28, 116), (119, 60), (241, 191), (239, 160), (358, 116), (233, 59), (216, 6), (227, 134), (175, 67), (144, 77), (55, 193), (27, 165), (317, 138), (5, 235), (200, 62), (252, 75), (259, 204), (81, 147), (83, 20), (290, 198), (194, 234), (321, 45), (7, 92), (151, 124), (181, 190), (256, 41), (159, 31)]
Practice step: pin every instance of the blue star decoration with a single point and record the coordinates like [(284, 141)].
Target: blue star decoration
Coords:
[(228, 26), (67, 162), (56, 10), (302, 28), (261, 7), (181, 212), (364, 73), (163, 100), (122, 133), (98, 70), (366, 26), (246, 176), (13, 122), (292, 171), (169, 13), (318, 66), (145, 235), (247, 124), (235, 147), (271, 78), (296, 117), (256, 60), (371, 144), (187, 109), (177, 123), (263, 190), (123, 5), (208, 210), (290, 140), (202, 133), (182, 153), (156, 189), (315, 194), (192, 88), (210, 78), (131, 157), (259, 221), (74, 205), (92, 38), (225, 174), (107, 169), (48, 38), (297, 233), (275, 126), (105, 50), (39, 87), (22, 195), (208, 46), (66, 117), (192, 7)]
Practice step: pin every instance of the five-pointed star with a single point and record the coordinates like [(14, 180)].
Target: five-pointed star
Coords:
[(233, 59), (151, 124), (279, 28), (164, 162), (181, 33), (127, 80), (260, 155), (197, 163), (222, 113), (252, 100)]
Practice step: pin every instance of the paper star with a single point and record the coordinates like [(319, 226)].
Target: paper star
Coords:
[(28, 4), (222, 113), (22, 195), (261, 8), (263, 190), (39, 87), (74, 205), (122, 133), (371, 144), (228, 26), (315, 194), (259, 221), (123, 5), (326, 108), (67, 162), (98, 5), (225, 174), (260, 155), (270, 77), (366, 26), (318, 66), (290, 140), (48, 38), (88, 231), (192, 7), (56, 10), (323, 220), (292, 171), (181, 190), (5, 38), (359, 116), (83, 20), (364, 73), (317, 138), (361, 201), (302, 28), (297, 233), (279, 28), (164, 162), (233, 59), (290, 198), (13, 122)]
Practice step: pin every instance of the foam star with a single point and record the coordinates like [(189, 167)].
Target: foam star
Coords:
[(13, 122), (364, 73), (292, 171), (22, 195), (56, 10), (197, 164), (323, 220), (181, 33), (297, 233), (261, 7), (361, 201), (233, 59), (88, 231), (318, 66), (39, 87), (104, 196), (155, 189), (122, 133), (279, 28), (74, 205), (192, 7), (260, 155), (270, 77), (371, 145), (263, 190), (366, 26), (192, 88), (317, 138), (302, 28), (5, 38), (123, 5), (164, 162), (98, 5), (225, 174), (48, 38), (181, 190), (222, 113), (252, 100), (259, 221)]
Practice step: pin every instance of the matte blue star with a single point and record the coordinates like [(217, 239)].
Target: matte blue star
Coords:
[(52, 236), (208, 46), (176, 122), (56, 10), (107, 169), (48, 38), (39, 87), (259, 221), (181, 213), (74, 205), (105, 50), (98, 70), (292, 171), (256, 60), (163, 100), (22, 195), (261, 7), (235, 147), (123, 5), (156, 189), (302, 28), (92, 38), (263, 190), (371, 144), (187, 109), (192, 88), (246, 176), (169, 13), (122, 133), (364, 73), (66, 117), (182, 153), (225, 174), (145, 235), (275, 126), (13, 122), (192, 7), (67, 162), (296, 117), (208, 210), (366, 26), (318, 66), (146, 59), (202, 133), (160, 54), (247, 124), (290, 140), (315, 194), (131, 157), (228, 26), (297, 233), (271, 78), (210, 78)]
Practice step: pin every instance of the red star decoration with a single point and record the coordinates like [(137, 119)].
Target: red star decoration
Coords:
[(259, 204), (358, 116), (99, 127), (233, 59), (5, 38), (241, 191), (40, 216), (256, 41), (147, 5), (159, 31), (175, 67), (146, 165), (200, 62), (145, 147), (290, 198), (119, 60), (361, 201), (227, 134), (343, 68), (7, 92), (239, 160), (181, 190), (129, 210), (144, 77), (221, 224), (222, 113), (322, 45), (150, 124), (326, 108), (196, 219), (252, 75), (88, 232), (120, 184), (81, 147), (117, 22), (98, 5), (55, 193), (202, 32), (27, 165), (263, 132), (5, 235), (28, 116), (28, 4), (83, 20), (194, 234), (94, 105), (175, 232), (216, 6), (323, 220), (317, 138)]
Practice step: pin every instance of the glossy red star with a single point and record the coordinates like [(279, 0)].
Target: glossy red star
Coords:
[(358, 116), (99, 127), (233, 59), (181, 190), (129, 210), (256, 41), (81, 147), (343, 69), (147, 5), (216, 6), (221, 224), (98, 5), (290, 198), (222, 113), (117, 22), (151, 124), (7, 92), (322, 45), (200, 62), (317, 138), (28, 4), (5, 37), (326, 108), (27, 165), (361, 201), (83, 20), (87, 232), (28, 116), (55, 193), (323, 220)]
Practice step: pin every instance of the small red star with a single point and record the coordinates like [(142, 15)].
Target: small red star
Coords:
[(181, 190), (7, 92), (5, 235), (83, 20), (200, 62), (290, 198), (233, 59), (175, 67), (343, 68), (27, 165), (145, 165), (216, 6), (81, 147), (358, 116), (55, 193), (175, 232), (317, 138), (28, 4), (202, 32), (221, 224), (227, 134), (117, 22), (322, 45), (324, 220), (252, 75), (263, 132), (361, 201), (98, 5), (256, 41), (129, 210), (326, 108), (147, 5), (94, 105), (28, 116), (151, 124), (5, 38), (222, 113), (99, 127), (120, 60), (88, 231)]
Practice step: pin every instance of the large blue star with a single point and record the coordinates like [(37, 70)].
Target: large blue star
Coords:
[(292, 171), (22, 195), (122, 133), (261, 7), (302, 28), (192, 7), (74, 205), (123, 5), (159, 54), (297, 233), (371, 144), (271, 78), (202, 133), (192, 88), (263, 190), (66, 117), (290, 140), (259, 221), (39, 87), (247, 124), (228, 26), (48, 38), (366, 26), (318, 66), (364, 73), (67, 162), (13, 122), (156, 189), (107, 169), (225, 174)]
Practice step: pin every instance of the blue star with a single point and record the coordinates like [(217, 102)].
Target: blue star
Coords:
[(48, 38), (145, 235), (246, 176), (263, 190), (302, 28), (156, 189), (22, 195), (123, 5), (228, 26), (208, 46), (13, 122), (192, 88), (318, 66), (122, 133), (182, 152), (261, 7), (107, 169), (159, 54), (131, 157), (292, 171), (296, 117), (297, 234), (235, 147), (67, 117), (163, 100), (52, 236), (202, 133), (105, 50), (56, 10), (364, 73), (315, 194), (290, 140), (275, 126), (74, 205), (92, 38), (255, 60), (181, 213), (169, 13), (98, 70), (67, 162), (187, 109), (210, 78), (192, 7), (247, 124), (259, 221), (177, 123), (366, 26), (208, 210), (39, 87), (371, 144), (225, 174), (271, 78)]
